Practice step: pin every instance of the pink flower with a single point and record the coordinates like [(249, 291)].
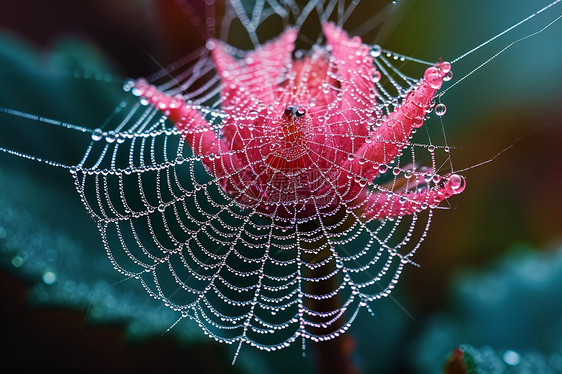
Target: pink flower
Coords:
[(302, 137)]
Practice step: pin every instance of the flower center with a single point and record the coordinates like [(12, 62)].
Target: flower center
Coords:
[(292, 124)]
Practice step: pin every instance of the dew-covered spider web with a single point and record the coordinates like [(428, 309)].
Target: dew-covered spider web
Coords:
[(275, 182)]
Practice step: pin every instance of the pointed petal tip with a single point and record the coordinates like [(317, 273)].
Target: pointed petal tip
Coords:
[(333, 32)]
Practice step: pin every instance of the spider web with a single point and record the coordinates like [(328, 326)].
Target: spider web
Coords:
[(296, 259)]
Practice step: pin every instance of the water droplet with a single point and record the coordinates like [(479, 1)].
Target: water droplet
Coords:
[(376, 50), (350, 157), (162, 208), (440, 109), (445, 67), (144, 101), (252, 114), (97, 135), (431, 148), (128, 85), (383, 168), (447, 77), (110, 137), (376, 76), (418, 122), (433, 78), (457, 183)]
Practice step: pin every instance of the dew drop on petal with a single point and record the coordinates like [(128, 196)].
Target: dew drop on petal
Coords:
[(433, 78), (418, 122), (457, 183), (445, 67), (252, 115)]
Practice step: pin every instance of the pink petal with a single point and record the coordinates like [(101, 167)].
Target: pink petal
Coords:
[(259, 71), (394, 134), (389, 205)]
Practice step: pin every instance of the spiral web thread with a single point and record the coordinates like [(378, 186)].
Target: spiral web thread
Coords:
[(247, 275)]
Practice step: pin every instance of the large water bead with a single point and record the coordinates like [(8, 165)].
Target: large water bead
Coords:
[(457, 183), (433, 78), (444, 66)]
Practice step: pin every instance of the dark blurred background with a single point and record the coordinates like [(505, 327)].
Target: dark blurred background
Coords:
[(491, 268)]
